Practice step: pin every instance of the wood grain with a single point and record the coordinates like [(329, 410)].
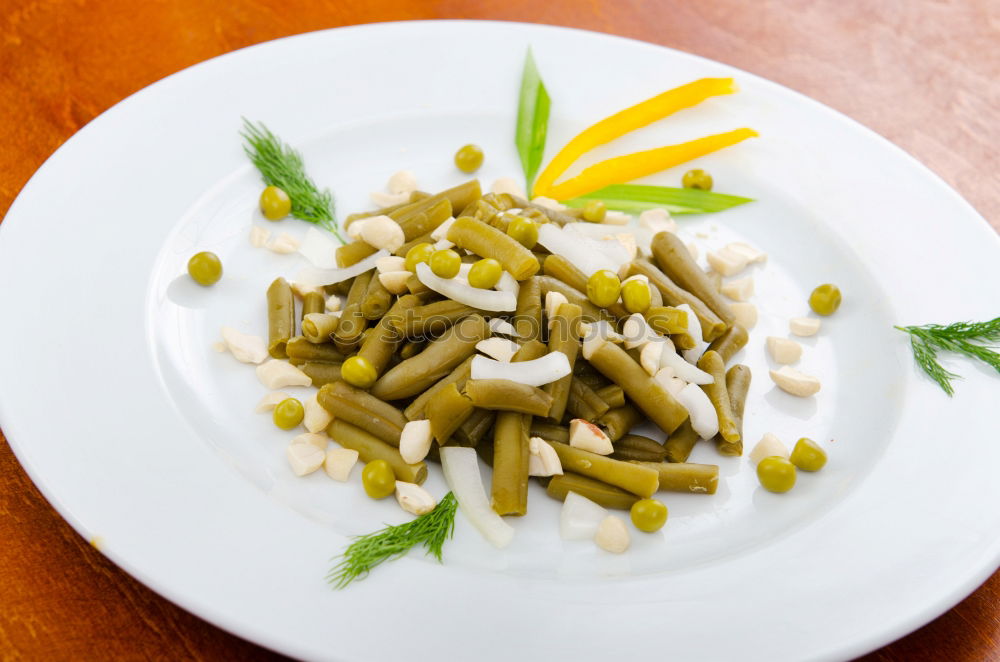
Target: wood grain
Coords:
[(925, 74)]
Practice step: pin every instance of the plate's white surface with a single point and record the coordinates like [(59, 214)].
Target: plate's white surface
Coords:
[(139, 434)]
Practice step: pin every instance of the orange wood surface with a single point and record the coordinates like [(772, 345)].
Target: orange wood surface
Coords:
[(925, 74)]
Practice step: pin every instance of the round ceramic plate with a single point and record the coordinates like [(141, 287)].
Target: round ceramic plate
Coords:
[(145, 439)]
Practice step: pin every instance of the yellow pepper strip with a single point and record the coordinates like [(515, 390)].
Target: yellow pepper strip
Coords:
[(630, 119), (622, 169)]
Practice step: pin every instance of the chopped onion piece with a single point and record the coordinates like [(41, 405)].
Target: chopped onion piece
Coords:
[(694, 330), (579, 517), (704, 419), (462, 292), (508, 283), (461, 471), (600, 329), (501, 349), (314, 276), (503, 327), (537, 372), (319, 248), (581, 254), (637, 331), (689, 373), (441, 231)]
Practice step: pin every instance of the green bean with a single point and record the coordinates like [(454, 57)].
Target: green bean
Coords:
[(370, 447), (673, 295), (364, 410), (510, 449), (405, 248), (341, 289), (411, 348), (614, 472), (683, 340), (685, 477), (550, 431), (499, 201), (738, 385), (280, 317), (558, 217), (655, 401), (680, 442), (637, 447), (586, 374), (480, 210), (415, 410), (510, 464), (600, 493), (415, 196), (475, 429), (558, 267), (675, 261), (487, 241), (319, 327), (564, 337), (312, 302), (415, 286), (352, 253), (584, 403), (298, 348), (589, 312), (381, 341), (376, 300), (618, 421), (414, 375), (506, 395), (432, 319), (713, 364), (733, 340), (447, 410), (321, 373), (613, 394), (667, 320), (352, 323), (528, 316)]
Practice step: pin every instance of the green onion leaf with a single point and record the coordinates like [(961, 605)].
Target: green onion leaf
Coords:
[(635, 199), (532, 121)]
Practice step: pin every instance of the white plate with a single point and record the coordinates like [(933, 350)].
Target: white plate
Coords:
[(143, 437)]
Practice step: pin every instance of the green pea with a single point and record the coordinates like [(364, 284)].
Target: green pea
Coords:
[(358, 371), (275, 203), (445, 263), (420, 253), (469, 158), (648, 515), (776, 474), (205, 268), (378, 479), (485, 273), (807, 455), (603, 288), (288, 413), (825, 299), (636, 296), (524, 231), (594, 211), (697, 178)]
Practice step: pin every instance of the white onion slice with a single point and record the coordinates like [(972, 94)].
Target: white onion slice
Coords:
[(503, 328), (460, 291), (461, 471), (694, 330), (508, 283), (683, 369), (579, 517), (704, 419), (320, 249), (312, 276), (537, 372), (501, 349), (578, 249), (637, 331)]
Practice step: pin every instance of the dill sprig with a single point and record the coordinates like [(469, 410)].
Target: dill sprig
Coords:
[(368, 551), (960, 338), (281, 166)]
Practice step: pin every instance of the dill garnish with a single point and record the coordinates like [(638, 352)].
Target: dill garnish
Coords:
[(281, 166), (392, 542), (960, 338)]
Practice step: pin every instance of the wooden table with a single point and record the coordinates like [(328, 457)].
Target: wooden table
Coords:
[(924, 74)]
